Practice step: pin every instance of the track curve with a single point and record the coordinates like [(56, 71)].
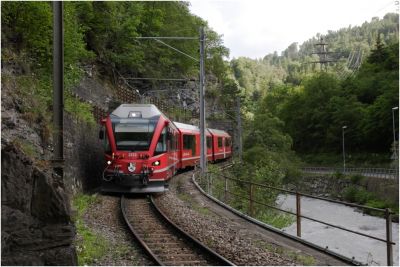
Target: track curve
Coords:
[(164, 241)]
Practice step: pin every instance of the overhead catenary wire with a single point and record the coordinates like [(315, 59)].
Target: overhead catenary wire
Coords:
[(177, 50)]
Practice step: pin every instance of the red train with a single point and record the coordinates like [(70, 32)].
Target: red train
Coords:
[(144, 149)]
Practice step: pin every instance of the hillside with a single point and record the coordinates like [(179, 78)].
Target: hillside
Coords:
[(310, 106)]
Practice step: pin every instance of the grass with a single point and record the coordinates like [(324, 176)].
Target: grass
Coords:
[(28, 148), (300, 259), (194, 205), (276, 219), (81, 202), (361, 196), (90, 246)]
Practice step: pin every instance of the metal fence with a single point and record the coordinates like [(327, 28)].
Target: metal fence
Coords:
[(368, 172), (209, 183)]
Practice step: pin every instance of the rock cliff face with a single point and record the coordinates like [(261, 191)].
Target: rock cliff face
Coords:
[(35, 218), (36, 226)]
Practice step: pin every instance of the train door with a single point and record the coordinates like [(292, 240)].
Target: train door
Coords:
[(209, 149), (189, 149), (172, 150)]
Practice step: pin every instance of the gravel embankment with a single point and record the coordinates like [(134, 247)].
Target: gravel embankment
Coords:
[(104, 218), (216, 231)]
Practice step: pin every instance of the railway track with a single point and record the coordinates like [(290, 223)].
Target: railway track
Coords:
[(163, 241)]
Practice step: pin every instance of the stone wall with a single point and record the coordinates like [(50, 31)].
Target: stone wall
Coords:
[(322, 185), (331, 186)]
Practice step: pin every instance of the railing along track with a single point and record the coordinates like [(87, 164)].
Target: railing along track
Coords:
[(344, 259), (163, 240)]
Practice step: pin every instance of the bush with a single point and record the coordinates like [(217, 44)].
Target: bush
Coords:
[(350, 193), (357, 179), (357, 195)]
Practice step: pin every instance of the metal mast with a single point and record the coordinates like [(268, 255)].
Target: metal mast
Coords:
[(203, 148), (323, 55), (58, 86)]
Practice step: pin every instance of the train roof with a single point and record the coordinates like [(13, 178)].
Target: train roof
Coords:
[(218, 132), (189, 127), (185, 126), (144, 111)]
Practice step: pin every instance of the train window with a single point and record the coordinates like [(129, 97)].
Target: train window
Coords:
[(209, 142), (162, 143), (189, 142), (227, 142), (219, 141), (172, 141), (107, 147), (134, 136)]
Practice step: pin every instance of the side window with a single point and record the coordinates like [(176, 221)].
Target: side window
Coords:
[(106, 143), (162, 143), (172, 140), (189, 142), (219, 141), (209, 142)]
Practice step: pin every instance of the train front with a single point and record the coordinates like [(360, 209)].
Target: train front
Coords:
[(130, 134)]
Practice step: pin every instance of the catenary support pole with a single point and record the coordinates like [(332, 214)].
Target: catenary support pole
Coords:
[(239, 125), (58, 86), (203, 150)]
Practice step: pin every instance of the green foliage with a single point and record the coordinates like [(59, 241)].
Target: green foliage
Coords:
[(28, 148), (110, 29), (81, 202), (277, 219), (89, 245), (315, 112), (357, 179), (312, 107), (298, 257), (356, 194), (27, 26), (80, 110)]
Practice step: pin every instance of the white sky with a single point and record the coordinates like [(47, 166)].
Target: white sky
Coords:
[(254, 28)]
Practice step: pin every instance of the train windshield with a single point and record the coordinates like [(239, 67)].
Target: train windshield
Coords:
[(134, 136)]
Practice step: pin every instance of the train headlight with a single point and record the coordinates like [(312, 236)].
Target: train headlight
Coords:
[(156, 163), (109, 162)]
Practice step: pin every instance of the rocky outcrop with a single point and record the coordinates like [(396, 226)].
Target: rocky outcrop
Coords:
[(35, 216)]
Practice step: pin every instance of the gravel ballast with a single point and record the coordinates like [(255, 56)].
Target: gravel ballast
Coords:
[(103, 217), (214, 230)]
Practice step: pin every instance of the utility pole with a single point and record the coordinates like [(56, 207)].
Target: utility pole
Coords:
[(203, 149), (58, 87), (394, 133), (239, 125)]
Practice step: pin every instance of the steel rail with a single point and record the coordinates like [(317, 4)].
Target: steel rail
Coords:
[(276, 230), (193, 241), (136, 235), (219, 258)]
